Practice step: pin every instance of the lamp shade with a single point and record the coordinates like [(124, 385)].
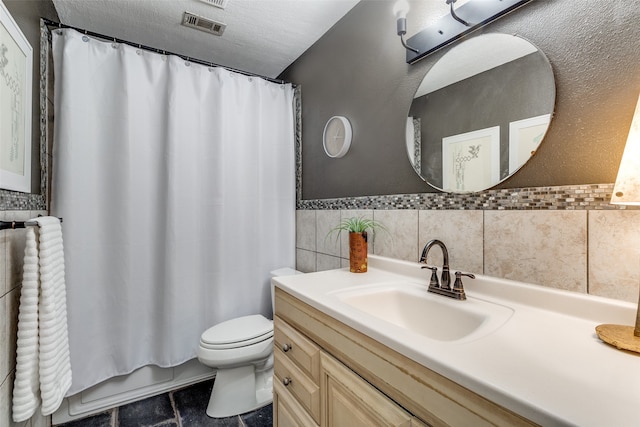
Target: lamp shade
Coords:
[(626, 190)]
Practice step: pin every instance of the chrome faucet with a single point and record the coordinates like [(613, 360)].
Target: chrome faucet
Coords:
[(443, 286), (445, 278)]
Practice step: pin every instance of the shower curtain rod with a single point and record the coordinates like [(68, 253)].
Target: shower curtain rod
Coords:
[(51, 23), (12, 225)]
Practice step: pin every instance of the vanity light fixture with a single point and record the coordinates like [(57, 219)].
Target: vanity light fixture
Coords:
[(626, 191), (454, 15), (458, 23)]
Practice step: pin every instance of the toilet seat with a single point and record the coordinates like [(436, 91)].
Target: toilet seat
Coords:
[(237, 342), (238, 332), (241, 350)]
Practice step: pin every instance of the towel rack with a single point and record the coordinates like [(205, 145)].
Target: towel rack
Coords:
[(12, 225)]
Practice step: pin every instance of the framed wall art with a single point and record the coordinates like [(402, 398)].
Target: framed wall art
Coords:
[(471, 160), (16, 59)]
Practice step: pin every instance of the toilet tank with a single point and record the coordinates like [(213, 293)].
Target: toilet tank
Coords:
[(284, 271)]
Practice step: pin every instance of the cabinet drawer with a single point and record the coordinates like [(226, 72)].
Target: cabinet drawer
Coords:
[(297, 348), (303, 388), (287, 412)]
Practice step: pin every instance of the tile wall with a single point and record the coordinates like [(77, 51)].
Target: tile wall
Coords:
[(590, 251), (11, 256)]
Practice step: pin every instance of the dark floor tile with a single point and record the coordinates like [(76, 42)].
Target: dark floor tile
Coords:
[(191, 404), (206, 421), (99, 420), (193, 396), (147, 412), (191, 411), (263, 417)]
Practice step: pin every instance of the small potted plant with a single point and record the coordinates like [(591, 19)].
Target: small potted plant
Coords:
[(357, 228)]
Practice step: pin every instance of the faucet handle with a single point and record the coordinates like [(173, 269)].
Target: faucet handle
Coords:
[(457, 285), (433, 283)]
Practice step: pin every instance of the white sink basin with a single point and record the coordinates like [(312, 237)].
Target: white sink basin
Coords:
[(409, 306)]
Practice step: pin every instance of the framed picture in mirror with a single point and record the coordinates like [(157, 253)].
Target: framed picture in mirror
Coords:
[(524, 138), (471, 160)]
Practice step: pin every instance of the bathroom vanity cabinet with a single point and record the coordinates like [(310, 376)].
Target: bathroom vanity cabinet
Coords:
[(328, 374)]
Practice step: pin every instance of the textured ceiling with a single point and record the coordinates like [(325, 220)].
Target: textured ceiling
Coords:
[(261, 37)]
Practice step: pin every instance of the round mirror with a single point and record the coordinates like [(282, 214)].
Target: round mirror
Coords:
[(480, 113)]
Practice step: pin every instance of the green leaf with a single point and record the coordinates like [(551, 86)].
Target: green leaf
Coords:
[(357, 225)]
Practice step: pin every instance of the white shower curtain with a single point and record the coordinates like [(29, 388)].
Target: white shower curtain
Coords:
[(176, 184)]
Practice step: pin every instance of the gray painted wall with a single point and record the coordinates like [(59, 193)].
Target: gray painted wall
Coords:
[(358, 70)]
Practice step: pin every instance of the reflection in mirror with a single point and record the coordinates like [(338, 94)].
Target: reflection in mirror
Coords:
[(480, 113)]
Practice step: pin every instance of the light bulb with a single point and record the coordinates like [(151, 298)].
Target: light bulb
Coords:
[(400, 9)]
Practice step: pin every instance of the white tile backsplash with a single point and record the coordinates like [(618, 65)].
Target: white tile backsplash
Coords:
[(3, 264), (327, 262), (6, 385), (595, 251), (400, 240), (542, 247), (462, 233), (306, 230), (614, 254), (12, 305), (306, 260), (327, 242), (5, 364)]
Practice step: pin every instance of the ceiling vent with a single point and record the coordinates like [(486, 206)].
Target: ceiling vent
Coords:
[(217, 3), (203, 24)]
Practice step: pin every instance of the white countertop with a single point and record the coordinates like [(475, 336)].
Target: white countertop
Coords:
[(545, 363)]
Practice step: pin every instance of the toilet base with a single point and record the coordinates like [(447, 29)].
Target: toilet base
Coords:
[(240, 390)]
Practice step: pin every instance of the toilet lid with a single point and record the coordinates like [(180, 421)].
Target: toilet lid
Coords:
[(239, 330)]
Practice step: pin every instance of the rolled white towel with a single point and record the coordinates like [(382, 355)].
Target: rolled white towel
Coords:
[(54, 360), (43, 368), (26, 388)]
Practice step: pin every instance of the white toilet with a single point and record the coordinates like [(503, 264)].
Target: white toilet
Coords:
[(241, 350)]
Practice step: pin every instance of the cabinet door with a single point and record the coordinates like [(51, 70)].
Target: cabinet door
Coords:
[(287, 412), (350, 401)]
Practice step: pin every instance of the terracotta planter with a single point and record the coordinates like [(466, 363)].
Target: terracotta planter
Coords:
[(358, 252)]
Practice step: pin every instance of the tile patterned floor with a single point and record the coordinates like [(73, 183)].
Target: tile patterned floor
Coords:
[(180, 408)]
